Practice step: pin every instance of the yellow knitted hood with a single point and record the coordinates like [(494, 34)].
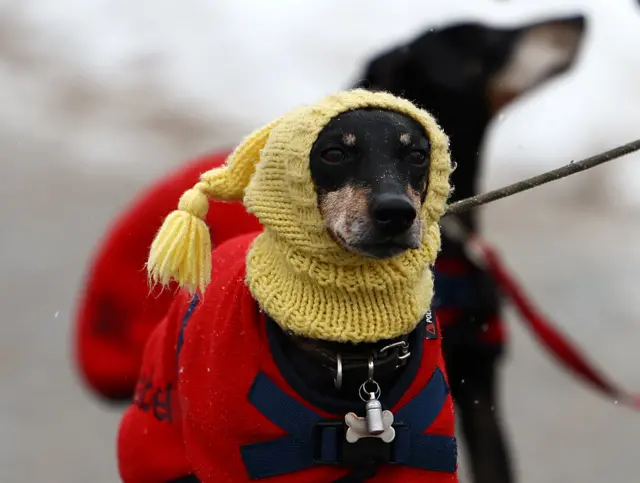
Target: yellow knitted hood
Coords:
[(296, 272)]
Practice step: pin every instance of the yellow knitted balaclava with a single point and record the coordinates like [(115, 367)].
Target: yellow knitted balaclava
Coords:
[(295, 271)]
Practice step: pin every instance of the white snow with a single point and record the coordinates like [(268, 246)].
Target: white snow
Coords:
[(140, 85)]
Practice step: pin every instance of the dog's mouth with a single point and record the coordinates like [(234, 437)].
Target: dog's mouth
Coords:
[(378, 247)]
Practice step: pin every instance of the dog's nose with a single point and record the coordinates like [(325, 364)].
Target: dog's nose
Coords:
[(393, 214)]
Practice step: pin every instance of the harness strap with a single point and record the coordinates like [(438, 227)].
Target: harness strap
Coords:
[(432, 452), (281, 409), (276, 457), (185, 320), (420, 412), (309, 444), (452, 291)]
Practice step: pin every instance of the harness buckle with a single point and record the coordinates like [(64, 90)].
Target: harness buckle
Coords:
[(332, 448)]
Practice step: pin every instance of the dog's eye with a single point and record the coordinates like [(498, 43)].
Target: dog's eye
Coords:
[(333, 155), (417, 157)]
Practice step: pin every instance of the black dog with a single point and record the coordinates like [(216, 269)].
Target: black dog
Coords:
[(370, 168), (464, 75)]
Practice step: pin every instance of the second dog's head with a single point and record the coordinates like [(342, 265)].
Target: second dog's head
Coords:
[(370, 168), (467, 68)]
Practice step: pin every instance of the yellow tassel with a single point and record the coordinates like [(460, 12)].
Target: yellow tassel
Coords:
[(181, 250)]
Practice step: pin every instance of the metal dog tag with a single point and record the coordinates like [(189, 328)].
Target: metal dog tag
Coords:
[(375, 425)]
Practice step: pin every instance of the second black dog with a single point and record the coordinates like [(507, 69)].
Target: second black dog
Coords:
[(464, 74)]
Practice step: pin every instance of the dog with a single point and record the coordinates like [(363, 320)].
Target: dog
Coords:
[(311, 318), (466, 74), (115, 318), (370, 170)]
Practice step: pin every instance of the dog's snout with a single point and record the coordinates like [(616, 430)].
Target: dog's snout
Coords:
[(393, 214)]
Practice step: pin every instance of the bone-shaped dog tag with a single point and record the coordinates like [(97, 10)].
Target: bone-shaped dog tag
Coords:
[(357, 428)]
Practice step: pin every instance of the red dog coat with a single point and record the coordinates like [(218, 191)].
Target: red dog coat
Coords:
[(216, 402)]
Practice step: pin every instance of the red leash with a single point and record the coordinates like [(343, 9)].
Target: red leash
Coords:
[(547, 335)]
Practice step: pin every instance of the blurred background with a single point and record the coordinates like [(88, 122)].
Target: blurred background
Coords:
[(98, 99)]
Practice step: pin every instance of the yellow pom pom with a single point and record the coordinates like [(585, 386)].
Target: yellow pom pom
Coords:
[(181, 250)]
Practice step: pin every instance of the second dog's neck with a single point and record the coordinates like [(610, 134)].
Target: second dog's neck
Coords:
[(466, 143)]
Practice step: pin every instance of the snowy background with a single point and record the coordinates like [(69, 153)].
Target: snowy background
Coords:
[(100, 97), (121, 82)]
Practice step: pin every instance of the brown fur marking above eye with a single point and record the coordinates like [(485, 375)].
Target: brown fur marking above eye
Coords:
[(405, 139), (349, 139), (344, 212)]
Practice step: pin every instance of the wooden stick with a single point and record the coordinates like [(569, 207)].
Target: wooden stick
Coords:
[(527, 184)]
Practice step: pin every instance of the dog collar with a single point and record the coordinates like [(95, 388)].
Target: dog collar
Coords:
[(360, 361)]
